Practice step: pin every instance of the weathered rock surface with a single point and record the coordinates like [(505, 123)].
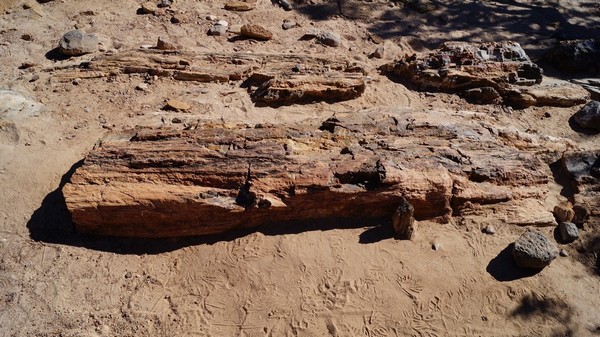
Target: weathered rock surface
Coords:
[(564, 212), (309, 88), (576, 56), (325, 78), (161, 183), (256, 32), (239, 6), (583, 169), (484, 74), (77, 42), (534, 250), (589, 116), (568, 232)]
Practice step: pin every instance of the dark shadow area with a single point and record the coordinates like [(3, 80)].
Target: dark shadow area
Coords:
[(527, 23), (588, 249), (534, 305), (577, 128), (52, 223), (376, 234), (56, 55), (503, 267), (562, 178)]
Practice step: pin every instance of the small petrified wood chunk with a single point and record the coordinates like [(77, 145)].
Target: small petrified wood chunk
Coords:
[(403, 220)]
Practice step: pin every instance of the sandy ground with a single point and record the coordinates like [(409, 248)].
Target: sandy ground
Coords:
[(307, 282)]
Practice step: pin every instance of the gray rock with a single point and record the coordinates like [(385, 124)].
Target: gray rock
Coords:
[(217, 29), (489, 229), (330, 39), (285, 4), (289, 24), (533, 250), (165, 3), (589, 116), (76, 42), (568, 231), (563, 253)]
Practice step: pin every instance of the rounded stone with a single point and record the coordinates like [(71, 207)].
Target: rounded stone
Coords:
[(77, 42), (533, 250), (568, 231)]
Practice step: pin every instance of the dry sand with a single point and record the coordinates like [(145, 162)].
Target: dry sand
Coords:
[(307, 282)]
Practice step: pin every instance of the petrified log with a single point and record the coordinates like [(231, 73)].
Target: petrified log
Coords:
[(403, 220), (484, 74), (307, 89), (274, 78), (162, 183)]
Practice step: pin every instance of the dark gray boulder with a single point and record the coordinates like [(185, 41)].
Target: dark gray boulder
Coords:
[(589, 116), (568, 232), (534, 250)]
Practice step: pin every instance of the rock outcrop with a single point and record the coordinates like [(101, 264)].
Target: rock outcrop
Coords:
[(487, 73), (589, 116), (162, 183)]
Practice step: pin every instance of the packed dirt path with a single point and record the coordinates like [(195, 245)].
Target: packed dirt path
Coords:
[(339, 280)]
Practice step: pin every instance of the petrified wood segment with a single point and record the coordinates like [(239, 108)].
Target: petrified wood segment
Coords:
[(272, 78), (487, 73), (403, 220), (161, 183)]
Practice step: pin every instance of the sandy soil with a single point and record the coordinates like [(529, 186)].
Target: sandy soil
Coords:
[(307, 282)]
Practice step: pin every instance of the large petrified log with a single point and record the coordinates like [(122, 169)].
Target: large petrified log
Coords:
[(161, 183), (272, 78), (485, 73)]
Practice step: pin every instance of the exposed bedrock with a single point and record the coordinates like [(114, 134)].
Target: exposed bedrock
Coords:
[(359, 166)]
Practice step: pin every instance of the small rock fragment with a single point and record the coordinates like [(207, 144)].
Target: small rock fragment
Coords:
[(563, 253), (163, 44), (256, 32), (148, 8), (219, 28), (533, 250), (177, 105), (330, 39), (76, 43), (285, 4), (142, 86), (375, 39), (489, 229), (289, 24), (176, 120), (568, 232), (128, 274), (436, 246), (177, 18), (239, 6), (564, 212), (379, 53), (26, 37), (403, 220), (589, 116), (165, 3)]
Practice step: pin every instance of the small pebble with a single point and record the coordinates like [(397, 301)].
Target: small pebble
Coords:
[(128, 274), (489, 229), (142, 86), (436, 246), (563, 253)]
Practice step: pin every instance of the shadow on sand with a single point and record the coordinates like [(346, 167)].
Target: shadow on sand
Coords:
[(503, 268)]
